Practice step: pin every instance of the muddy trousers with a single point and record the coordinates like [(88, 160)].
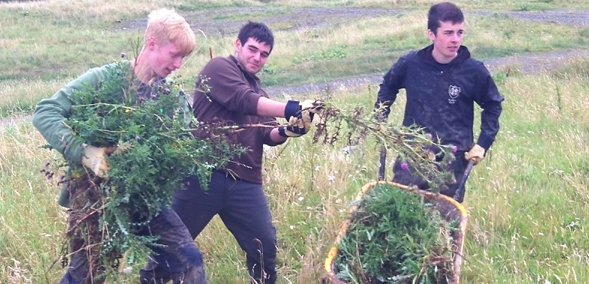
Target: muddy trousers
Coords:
[(407, 176), (243, 208), (180, 260)]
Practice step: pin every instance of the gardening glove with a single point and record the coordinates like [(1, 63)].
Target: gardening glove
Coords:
[(477, 154), (380, 116), (296, 127), (94, 158), (294, 109)]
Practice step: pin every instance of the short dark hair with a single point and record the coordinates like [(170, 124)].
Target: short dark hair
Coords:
[(259, 31), (443, 12)]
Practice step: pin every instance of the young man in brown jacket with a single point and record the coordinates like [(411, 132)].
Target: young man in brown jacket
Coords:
[(235, 192)]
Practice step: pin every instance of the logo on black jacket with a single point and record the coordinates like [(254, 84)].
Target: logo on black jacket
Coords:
[(453, 92)]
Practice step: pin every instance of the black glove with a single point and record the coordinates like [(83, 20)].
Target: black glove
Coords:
[(293, 109)]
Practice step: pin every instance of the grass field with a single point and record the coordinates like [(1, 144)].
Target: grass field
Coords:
[(528, 201)]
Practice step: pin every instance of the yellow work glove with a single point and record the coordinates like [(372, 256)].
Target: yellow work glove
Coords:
[(296, 127), (300, 116), (297, 109), (477, 154), (94, 158)]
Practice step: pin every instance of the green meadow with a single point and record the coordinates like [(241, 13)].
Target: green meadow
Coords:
[(528, 201)]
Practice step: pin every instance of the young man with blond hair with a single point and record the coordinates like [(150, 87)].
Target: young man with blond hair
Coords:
[(168, 40), (442, 83)]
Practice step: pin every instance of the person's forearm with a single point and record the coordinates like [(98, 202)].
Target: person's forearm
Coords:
[(268, 107)]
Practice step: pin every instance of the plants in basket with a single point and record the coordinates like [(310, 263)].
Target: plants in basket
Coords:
[(394, 234), (396, 237)]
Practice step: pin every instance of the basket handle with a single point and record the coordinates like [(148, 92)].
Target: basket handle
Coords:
[(383, 162), (459, 195)]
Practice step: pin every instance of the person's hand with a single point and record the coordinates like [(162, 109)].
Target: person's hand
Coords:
[(298, 109), (296, 127), (94, 158), (477, 154)]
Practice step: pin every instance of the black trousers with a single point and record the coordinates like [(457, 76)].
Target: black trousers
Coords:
[(243, 208), (408, 176)]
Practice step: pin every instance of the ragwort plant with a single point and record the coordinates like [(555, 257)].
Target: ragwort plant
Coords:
[(156, 150), (415, 147)]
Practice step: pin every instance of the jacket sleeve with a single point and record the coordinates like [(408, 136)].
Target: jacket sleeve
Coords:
[(51, 114), (389, 88), (266, 132), (490, 101)]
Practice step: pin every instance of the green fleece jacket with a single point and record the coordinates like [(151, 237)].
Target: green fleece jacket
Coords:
[(51, 114)]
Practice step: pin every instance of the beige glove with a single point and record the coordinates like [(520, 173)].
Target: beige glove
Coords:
[(296, 127), (94, 158), (299, 109), (477, 154), (308, 111), (307, 104)]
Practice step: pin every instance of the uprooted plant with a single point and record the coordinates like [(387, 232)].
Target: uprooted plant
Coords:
[(156, 150), (416, 148)]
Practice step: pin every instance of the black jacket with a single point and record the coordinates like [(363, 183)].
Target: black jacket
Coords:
[(440, 96)]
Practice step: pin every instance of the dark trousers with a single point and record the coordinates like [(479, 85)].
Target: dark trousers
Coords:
[(179, 258), (409, 177), (243, 208)]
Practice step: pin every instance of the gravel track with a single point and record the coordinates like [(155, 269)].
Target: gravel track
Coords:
[(218, 23)]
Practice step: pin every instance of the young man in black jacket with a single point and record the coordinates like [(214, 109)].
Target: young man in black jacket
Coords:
[(442, 83)]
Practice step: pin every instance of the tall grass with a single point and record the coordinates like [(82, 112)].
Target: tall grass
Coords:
[(529, 208), (527, 201), (30, 219)]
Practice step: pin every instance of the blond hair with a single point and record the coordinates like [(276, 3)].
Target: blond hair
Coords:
[(166, 25)]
